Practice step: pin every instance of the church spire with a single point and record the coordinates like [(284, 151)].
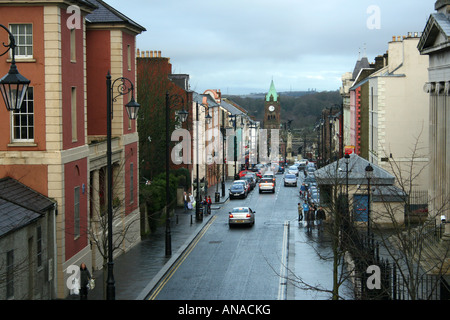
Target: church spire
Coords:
[(272, 94)]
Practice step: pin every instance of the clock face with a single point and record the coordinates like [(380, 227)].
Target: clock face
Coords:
[(271, 108)]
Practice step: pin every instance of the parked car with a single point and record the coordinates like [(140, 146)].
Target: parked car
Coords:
[(251, 180), (245, 172), (293, 170), (310, 180), (290, 180), (238, 191), (266, 184), (244, 182), (241, 215), (315, 198)]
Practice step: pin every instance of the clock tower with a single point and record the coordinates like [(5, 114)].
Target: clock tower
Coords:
[(272, 109)]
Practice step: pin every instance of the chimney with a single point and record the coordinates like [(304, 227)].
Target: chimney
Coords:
[(442, 6)]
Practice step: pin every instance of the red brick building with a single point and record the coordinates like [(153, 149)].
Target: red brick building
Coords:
[(56, 143)]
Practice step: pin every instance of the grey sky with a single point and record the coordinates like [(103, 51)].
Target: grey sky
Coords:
[(239, 46)]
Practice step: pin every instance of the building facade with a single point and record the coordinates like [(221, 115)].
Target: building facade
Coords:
[(51, 145), (398, 114), (435, 43)]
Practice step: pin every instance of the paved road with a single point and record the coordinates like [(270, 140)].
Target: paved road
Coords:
[(250, 263)]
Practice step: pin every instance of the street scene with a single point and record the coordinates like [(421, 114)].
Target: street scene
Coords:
[(171, 152)]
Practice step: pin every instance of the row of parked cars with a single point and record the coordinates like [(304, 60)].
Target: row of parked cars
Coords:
[(306, 170)]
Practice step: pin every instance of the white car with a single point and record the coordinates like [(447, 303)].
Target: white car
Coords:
[(241, 215), (290, 180), (293, 170)]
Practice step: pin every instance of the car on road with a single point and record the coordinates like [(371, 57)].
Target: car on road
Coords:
[(310, 180), (241, 215), (290, 180), (269, 175), (245, 172), (244, 182), (293, 170), (266, 184), (237, 191), (251, 180)]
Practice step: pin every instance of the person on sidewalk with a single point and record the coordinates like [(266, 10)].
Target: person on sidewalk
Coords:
[(309, 217), (300, 212), (85, 277), (185, 199), (320, 216), (208, 204)]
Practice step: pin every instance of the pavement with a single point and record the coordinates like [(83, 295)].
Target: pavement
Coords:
[(138, 270)]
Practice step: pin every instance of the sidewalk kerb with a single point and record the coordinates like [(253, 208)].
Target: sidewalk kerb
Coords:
[(157, 278)]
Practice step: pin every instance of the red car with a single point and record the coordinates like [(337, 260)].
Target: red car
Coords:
[(244, 172)]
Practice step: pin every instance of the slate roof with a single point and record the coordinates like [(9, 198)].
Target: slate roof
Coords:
[(437, 23), (20, 205), (107, 14), (228, 105), (357, 165)]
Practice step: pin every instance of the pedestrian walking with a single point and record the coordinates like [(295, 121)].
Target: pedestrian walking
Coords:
[(300, 212), (309, 216), (208, 204), (191, 201), (85, 277), (185, 200), (320, 216), (302, 190), (305, 208)]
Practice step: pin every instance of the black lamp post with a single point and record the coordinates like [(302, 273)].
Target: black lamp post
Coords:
[(183, 114), (208, 118), (369, 176), (124, 87), (233, 123), (13, 85)]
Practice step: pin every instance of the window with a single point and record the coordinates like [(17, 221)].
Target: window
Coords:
[(131, 183), (73, 51), (23, 120), (10, 274), (76, 212), (129, 57), (39, 246), (23, 34), (74, 114)]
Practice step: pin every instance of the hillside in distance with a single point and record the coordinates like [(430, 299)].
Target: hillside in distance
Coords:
[(303, 108)]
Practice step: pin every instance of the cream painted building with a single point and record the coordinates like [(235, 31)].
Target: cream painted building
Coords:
[(398, 115)]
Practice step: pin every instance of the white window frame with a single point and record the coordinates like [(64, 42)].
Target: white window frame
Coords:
[(24, 40), (27, 102), (76, 212)]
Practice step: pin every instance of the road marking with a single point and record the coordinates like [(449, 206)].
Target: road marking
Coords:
[(282, 287), (181, 259)]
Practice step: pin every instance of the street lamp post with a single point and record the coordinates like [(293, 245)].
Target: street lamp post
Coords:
[(183, 114), (208, 118), (233, 123), (224, 139), (132, 107), (369, 176), (13, 85)]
